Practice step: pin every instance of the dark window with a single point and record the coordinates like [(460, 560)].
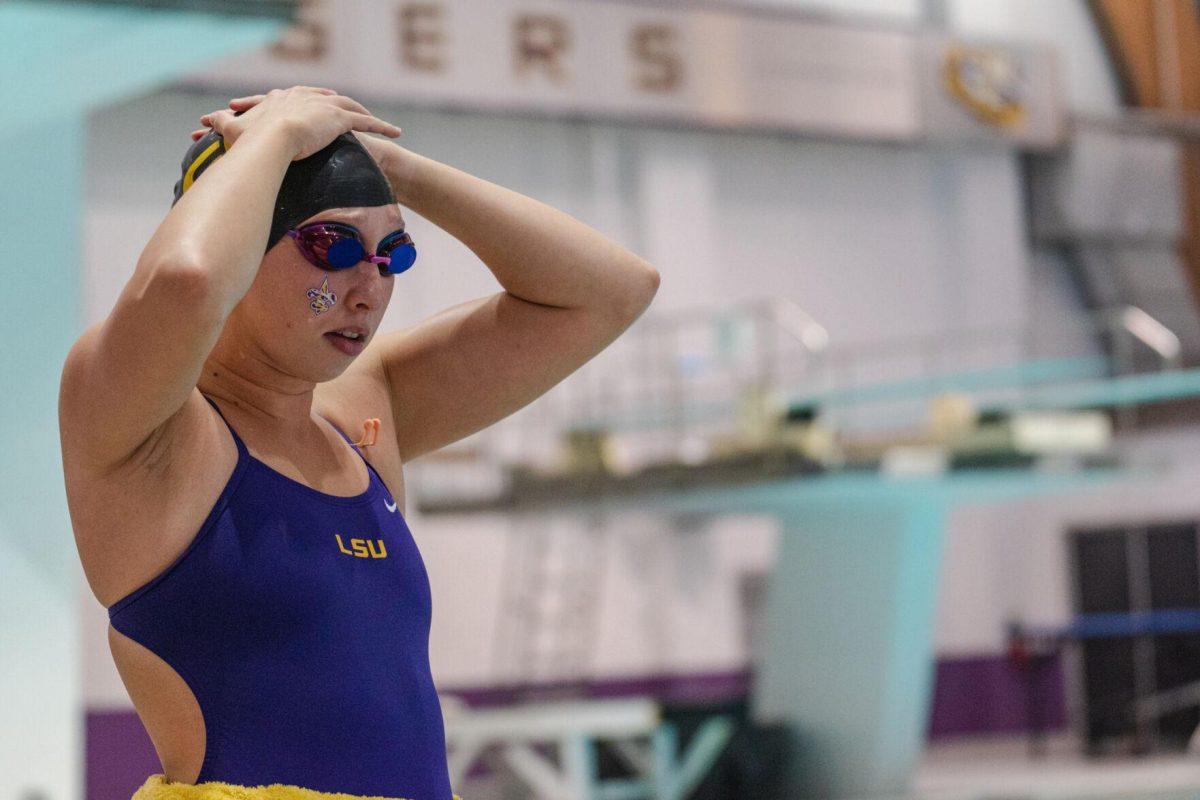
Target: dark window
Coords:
[(1137, 569)]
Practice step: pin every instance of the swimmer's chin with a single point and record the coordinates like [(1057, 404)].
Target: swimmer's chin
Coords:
[(331, 364)]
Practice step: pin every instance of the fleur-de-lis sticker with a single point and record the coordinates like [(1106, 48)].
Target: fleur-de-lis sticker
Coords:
[(321, 300)]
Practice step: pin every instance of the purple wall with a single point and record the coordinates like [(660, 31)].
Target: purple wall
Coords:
[(986, 694), (971, 696), (119, 755)]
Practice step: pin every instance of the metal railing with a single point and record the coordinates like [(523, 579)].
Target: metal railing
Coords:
[(675, 383)]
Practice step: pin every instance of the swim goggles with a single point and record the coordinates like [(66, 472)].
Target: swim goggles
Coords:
[(336, 245)]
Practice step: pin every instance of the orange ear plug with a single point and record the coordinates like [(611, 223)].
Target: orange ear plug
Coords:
[(370, 433)]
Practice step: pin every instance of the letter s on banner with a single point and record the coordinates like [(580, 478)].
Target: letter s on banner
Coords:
[(660, 67)]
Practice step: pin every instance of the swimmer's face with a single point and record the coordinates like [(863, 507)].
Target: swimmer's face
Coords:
[(294, 310)]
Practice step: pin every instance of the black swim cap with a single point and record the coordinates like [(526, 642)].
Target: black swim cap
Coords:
[(343, 174)]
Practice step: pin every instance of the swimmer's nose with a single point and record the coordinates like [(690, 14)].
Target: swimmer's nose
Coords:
[(369, 289)]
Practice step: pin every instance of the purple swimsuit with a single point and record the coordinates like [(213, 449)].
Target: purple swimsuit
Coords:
[(300, 621)]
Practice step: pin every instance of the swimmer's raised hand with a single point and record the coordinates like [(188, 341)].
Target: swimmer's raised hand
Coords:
[(313, 117)]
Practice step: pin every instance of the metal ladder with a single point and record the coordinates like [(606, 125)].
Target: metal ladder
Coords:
[(549, 610)]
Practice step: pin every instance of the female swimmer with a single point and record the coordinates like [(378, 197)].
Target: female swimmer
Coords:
[(269, 610)]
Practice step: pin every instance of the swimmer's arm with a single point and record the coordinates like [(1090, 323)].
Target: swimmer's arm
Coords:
[(569, 292), (128, 375)]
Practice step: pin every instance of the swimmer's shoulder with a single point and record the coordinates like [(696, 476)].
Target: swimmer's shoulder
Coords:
[(130, 521), (359, 394)]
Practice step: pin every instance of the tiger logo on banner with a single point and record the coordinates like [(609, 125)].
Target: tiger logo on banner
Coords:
[(987, 82)]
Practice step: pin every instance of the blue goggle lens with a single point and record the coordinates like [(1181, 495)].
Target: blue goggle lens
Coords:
[(345, 252), (402, 257)]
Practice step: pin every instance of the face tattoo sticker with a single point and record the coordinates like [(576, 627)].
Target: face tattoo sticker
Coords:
[(321, 300)]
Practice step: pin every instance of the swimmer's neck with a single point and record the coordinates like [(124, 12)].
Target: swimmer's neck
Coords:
[(257, 389)]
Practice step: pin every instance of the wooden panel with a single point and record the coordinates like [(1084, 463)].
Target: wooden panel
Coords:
[(1130, 32)]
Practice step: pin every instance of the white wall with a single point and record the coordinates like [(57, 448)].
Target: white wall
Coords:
[(877, 242), (1066, 25), (1089, 86)]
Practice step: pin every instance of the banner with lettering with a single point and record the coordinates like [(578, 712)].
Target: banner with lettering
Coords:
[(732, 69)]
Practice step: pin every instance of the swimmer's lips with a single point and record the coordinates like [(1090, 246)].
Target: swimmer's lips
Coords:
[(350, 347)]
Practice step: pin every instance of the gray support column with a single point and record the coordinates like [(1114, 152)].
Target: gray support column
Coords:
[(41, 719)]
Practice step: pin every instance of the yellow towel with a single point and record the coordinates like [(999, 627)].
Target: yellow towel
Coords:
[(157, 787)]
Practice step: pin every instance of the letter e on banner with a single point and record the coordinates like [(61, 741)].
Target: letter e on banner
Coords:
[(421, 36), (306, 39)]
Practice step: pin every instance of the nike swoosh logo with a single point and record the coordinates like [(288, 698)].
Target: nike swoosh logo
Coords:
[(389, 506)]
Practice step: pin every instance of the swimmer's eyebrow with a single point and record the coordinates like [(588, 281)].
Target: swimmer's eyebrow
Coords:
[(401, 229), (346, 214), (357, 214)]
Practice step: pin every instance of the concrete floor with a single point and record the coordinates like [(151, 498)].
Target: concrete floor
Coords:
[(1001, 769)]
